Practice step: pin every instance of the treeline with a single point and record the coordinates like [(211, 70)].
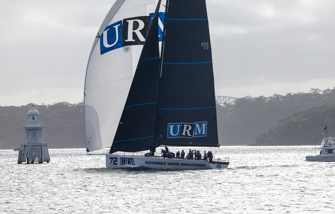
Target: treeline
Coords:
[(306, 127), (288, 119), (64, 125), (250, 117)]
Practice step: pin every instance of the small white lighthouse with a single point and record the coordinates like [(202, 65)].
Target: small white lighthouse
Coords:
[(33, 150)]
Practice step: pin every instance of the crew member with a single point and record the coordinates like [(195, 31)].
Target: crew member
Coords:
[(182, 154), (210, 156), (163, 152), (198, 154), (167, 150), (190, 155)]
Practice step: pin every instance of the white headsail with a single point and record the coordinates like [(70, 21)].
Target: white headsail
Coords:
[(112, 63)]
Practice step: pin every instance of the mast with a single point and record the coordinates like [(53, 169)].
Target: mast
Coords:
[(153, 148)]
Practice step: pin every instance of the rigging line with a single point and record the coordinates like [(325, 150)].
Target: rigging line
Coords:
[(175, 109), (191, 19), (133, 139), (149, 59), (163, 38), (159, 74), (142, 104), (186, 63), (107, 84)]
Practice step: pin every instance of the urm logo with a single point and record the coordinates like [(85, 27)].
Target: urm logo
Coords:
[(135, 30), (128, 161), (130, 31), (111, 38), (187, 130)]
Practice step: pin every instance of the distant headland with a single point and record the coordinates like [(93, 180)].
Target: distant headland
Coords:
[(291, 119)]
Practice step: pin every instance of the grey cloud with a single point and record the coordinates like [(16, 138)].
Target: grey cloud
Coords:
[(292, 44), (258, 46)]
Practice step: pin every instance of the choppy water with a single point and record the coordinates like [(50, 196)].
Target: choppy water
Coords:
[(258, 180)]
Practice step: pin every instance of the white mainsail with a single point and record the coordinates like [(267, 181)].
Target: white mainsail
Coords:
[(112, 63)]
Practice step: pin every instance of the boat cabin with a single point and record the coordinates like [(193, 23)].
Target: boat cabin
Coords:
[(327, 146)]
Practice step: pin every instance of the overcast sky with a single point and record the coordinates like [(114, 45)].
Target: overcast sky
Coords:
[(260, 47)]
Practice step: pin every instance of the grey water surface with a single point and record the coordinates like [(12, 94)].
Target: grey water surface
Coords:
[(258, 180)]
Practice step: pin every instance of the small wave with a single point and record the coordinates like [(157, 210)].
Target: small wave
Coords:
[(263, 167), (289, 165), (252, 167)]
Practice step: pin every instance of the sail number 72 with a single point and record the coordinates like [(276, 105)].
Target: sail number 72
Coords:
[(113, 161)]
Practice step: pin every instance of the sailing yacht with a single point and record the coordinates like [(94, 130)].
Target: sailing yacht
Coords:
[(171, 100)]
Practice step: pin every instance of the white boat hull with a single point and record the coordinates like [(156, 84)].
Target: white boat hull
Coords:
[(156, 162), (321, 158)]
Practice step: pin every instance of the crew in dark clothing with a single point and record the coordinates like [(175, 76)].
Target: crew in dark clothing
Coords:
[(182, 154), (210, 156), (167, 150), (190, 155), (198, 155), (178, 154), (170, 155), (205, 156), (163, 152)]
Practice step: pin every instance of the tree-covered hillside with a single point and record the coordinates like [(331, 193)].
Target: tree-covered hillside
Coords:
[(272, 120), (249, 117), (306, 127), (64, 125)]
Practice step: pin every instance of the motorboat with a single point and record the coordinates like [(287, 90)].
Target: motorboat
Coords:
[(327, 151)]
